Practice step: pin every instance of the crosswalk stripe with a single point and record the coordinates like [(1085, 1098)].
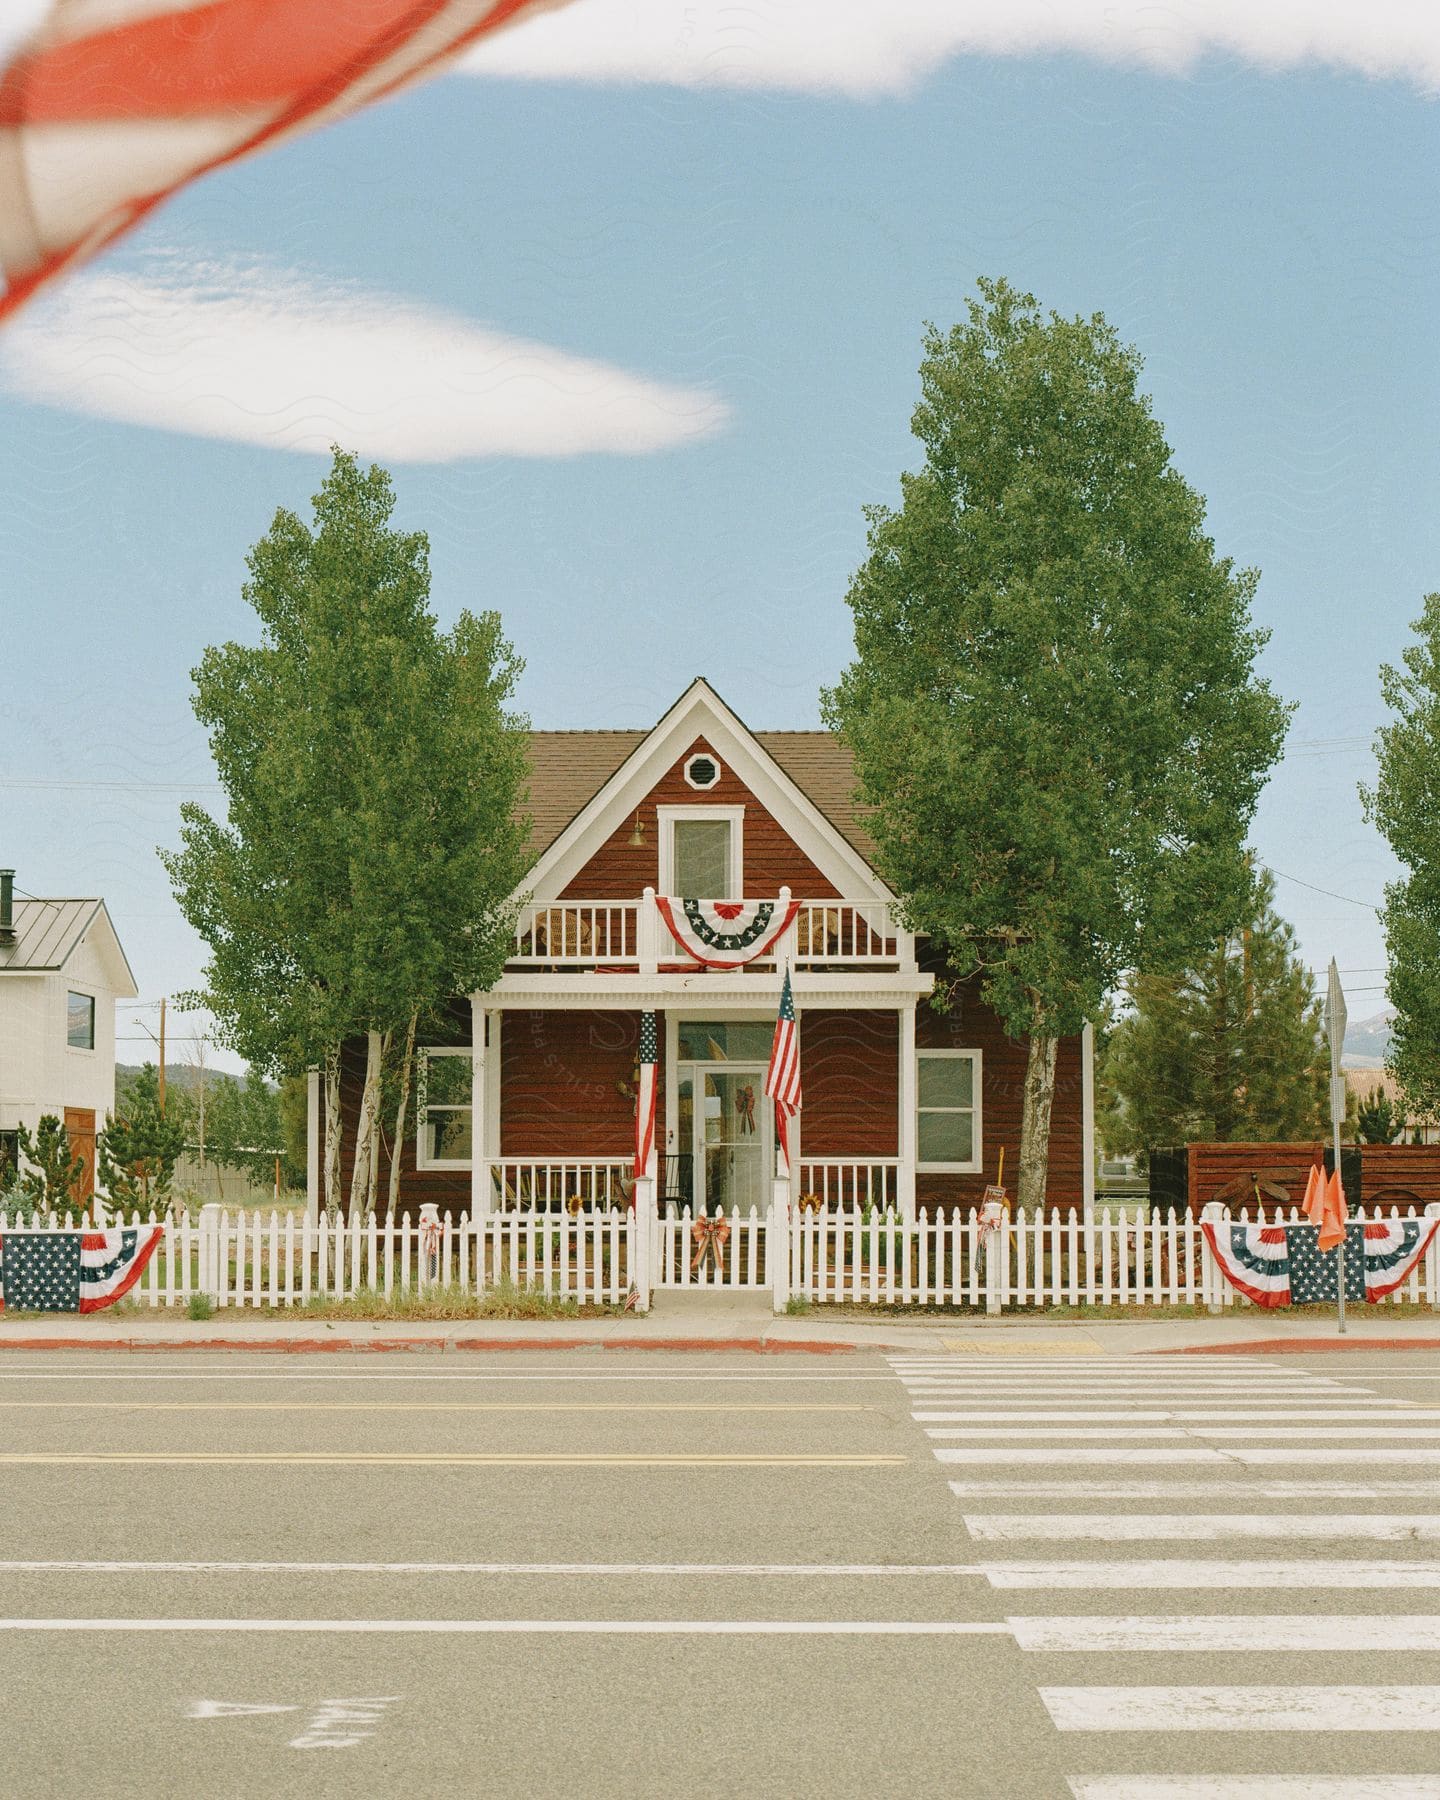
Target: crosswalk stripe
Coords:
[(1257, 1456), (1122, 1433), (1243, 1632), (1109, 1453), (1257, 1708), (1390, 1429), (1059, 1392), (1260, 1454), (1380, 1528), (1238, 1488), (1255, 1787), (1106, 1434), (1199, 1576), (1176, 1415)]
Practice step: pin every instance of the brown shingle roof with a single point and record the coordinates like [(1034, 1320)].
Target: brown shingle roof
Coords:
[(568, 768)]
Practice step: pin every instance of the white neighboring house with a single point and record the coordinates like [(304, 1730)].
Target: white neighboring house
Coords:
[(61, 972)]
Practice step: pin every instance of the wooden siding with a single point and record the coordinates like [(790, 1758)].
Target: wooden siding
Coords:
[(848, 1077), (971, 1025), (559, 1075), (618, 871)]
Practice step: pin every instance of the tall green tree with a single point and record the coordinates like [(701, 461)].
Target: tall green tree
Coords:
[(1053, 704), (1229, 1050), (243, 1126), (140, 1144), (374, 774), (1405, 804)]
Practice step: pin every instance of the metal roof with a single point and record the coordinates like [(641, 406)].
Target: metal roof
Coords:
[(47, 933)]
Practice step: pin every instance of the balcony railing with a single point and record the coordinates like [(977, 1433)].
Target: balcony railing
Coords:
[(631, 935)]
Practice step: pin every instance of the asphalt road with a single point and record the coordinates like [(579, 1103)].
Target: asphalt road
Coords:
[(706, 1575)]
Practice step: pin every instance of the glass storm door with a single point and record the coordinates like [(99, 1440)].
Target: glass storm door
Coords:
[(731, 1138)]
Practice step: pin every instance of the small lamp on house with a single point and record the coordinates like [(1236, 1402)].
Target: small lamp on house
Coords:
[(637, 833)]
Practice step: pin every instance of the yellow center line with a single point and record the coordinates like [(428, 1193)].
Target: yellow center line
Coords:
[(403, 1406), (441, 1459)]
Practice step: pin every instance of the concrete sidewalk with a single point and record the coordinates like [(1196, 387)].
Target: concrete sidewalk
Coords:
[(731, 1323)]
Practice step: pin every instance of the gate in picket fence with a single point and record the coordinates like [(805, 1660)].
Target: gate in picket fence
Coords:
[(723, 1250)]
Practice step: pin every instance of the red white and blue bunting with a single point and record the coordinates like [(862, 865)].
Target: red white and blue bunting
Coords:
[(727, 934), (1281, 1265), (72, 1271)]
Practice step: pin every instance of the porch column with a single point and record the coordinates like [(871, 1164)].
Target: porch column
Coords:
[(479, 1137), (312, 1145), (777, 1242), (1087, 1119), (907, 1142)]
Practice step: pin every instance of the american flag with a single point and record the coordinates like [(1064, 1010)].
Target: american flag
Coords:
[(645, 1095), (107, 109), (72, 1271), (782, 1078)]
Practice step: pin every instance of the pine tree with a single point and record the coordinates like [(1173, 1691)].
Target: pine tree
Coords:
[(54, 1180), (1232, 1050), (1375, 1120), (140, 1145)]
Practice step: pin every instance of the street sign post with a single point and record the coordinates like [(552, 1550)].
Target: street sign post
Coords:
[(1335, 1031)]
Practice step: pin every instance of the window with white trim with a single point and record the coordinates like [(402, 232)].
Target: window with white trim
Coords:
[(701, 852), (442, 1107), (80, 1021), (947, 1104)]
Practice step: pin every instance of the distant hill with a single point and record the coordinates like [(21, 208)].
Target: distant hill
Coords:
[(1367, 1041), (177, 1075)]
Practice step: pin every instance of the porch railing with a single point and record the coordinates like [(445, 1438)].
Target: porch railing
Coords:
[(836, 1185), (557, 1184), (586, 934)]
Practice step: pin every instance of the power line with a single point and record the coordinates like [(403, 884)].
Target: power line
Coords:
[(1329, 893)]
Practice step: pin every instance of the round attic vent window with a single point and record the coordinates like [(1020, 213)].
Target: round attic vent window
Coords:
[(702, 771)]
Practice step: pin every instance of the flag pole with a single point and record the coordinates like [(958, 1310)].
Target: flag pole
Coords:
[(1335, 1030)]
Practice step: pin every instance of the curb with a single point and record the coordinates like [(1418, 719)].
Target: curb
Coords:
[(434, 1345)]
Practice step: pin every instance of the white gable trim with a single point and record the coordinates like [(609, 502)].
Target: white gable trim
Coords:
[(107, 944), (700, 712)]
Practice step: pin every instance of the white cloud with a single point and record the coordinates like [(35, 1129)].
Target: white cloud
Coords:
[(866, 48), (266, 356)]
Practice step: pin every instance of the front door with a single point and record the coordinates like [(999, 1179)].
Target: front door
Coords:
[(725, 1129)]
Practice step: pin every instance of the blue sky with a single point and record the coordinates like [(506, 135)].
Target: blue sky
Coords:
[(744, 273)]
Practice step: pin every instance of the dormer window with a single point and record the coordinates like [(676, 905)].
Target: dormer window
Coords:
[(700, 852)]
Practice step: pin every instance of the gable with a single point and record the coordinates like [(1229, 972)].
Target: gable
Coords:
[(792, 831), (568, 768), (619, 870)]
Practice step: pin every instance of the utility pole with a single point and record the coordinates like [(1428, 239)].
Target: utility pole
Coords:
[(162, 1057)]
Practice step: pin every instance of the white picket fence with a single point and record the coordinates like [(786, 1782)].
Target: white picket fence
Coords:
[(254, 1259), (859, 1256)]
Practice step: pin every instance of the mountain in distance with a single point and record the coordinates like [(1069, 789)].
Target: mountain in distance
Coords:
[(1367, 1041)]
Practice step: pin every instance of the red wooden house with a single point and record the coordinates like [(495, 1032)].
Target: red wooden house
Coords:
[(530, 1100)]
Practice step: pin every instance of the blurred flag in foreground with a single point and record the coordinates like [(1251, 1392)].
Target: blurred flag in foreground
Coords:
[(108, 106)]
